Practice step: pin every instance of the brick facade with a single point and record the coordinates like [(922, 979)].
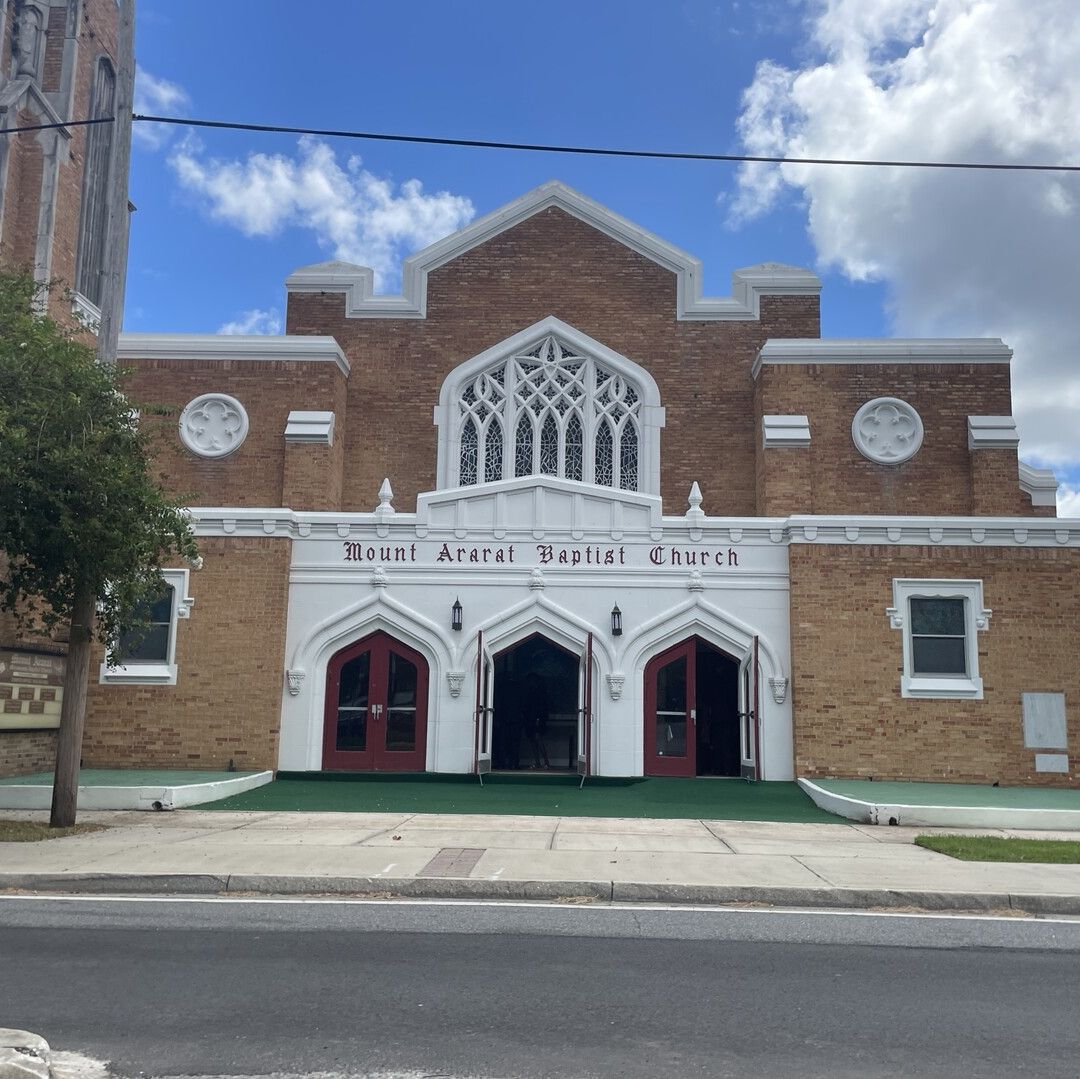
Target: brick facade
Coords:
[(230, 655), (850, 719), (33, 197)]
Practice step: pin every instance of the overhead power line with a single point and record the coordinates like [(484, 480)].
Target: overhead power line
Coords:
[(547, 148), (597, 151), (53, 127)]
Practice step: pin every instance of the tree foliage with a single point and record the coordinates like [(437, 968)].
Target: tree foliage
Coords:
[(80, 511)]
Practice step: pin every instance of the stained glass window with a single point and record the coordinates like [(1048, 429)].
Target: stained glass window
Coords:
[(604, 463), (555, 402), (574, 461), (628, 459), (523, 448), (493, 452), (549, 447), (469, 453)]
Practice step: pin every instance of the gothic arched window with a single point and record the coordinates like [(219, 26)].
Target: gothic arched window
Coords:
[(550, 410), (97, 169)]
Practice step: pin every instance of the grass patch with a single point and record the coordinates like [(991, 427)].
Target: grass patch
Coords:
[(30, 831), (985, 848)]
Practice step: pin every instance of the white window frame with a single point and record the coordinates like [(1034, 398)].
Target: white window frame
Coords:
[(156, 674), (976, 620)]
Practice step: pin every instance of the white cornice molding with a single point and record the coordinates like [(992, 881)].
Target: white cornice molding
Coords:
[(357, 282), (1039, 484), (992, 433), (785, 432), (294, 348), (975, 532), (905, 351)]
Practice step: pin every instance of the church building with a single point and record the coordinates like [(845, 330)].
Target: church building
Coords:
[(554, 509)]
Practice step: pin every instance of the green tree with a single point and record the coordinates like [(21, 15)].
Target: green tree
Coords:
[(83, 524)]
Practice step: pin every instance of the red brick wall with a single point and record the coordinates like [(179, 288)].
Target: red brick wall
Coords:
[(850, 719), (23, 753), (937, 480), (230, 656), (269, 390), (553, 264)]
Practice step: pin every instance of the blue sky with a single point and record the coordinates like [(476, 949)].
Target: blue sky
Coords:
[(223, 217)]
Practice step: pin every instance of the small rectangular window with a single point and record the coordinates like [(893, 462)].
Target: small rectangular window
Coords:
[(147, 656), (938, 637), (151, 643)]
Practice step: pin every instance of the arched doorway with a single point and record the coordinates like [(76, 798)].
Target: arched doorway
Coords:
[(534, 723), (376, 708), (692, 712)]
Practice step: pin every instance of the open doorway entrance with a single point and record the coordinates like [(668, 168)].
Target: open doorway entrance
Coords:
[(534, 723), (692, 712)]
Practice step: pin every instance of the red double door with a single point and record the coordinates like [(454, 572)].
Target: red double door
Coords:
[(376, 708), (693, 721)]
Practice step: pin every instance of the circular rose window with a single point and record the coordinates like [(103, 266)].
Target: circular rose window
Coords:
[(213, 425), (887, 430)]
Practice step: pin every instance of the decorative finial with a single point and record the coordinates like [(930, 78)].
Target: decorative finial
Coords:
[(386, 493), (695, 512)]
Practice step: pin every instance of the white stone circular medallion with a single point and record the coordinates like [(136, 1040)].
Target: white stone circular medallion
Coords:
[(887, 430), (213, 425)]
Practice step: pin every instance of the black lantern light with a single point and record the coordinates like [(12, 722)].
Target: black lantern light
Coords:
[(616, 621), (455, 615)]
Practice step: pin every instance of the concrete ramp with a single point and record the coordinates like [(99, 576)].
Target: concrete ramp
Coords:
[(132, 789), (946, 805)]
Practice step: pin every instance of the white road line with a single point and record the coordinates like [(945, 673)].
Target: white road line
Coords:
[(533, 905)]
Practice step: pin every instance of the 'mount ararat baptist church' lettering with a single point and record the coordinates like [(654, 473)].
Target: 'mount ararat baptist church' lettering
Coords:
[(545, 554)]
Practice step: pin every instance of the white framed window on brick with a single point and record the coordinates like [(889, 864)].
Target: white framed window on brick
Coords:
[(940, 621), (149, 657)]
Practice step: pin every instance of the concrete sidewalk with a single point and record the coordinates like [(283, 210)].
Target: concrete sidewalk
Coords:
[(571, 858)]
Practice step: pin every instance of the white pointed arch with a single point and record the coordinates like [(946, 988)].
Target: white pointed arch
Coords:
[(600, 399), (302, 722), (696, 616), (538, 614)]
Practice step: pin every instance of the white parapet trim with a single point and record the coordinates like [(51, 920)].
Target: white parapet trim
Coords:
[(940, 816), (449, 513), (1039, 484), (785, 431), (311, 428), (992, 433), (899, 350), (749, 285), (197, 347)]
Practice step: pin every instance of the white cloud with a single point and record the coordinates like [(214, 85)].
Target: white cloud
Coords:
[(1068, 500), (354, 214), (156, 97), (254, 321), (963, 253)]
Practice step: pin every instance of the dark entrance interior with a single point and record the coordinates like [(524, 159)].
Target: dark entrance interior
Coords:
[(717, 712), (534, 721)]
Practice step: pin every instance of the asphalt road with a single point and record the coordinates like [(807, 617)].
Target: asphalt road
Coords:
[(250, 988)]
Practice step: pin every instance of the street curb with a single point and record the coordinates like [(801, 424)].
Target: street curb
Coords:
[(565, 890)]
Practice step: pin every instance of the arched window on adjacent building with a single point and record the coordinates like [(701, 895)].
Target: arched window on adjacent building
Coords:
[(553, 408), (97, 169)]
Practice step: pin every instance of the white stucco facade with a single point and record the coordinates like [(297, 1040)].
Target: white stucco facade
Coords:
[(527, 556)]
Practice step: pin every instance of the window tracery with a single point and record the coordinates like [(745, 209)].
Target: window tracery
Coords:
[(550, 410)]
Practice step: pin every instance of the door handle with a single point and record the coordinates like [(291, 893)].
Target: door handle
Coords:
[(693, 715)]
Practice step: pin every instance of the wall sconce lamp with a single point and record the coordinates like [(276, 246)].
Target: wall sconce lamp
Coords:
[(616, 621), (455, 615)]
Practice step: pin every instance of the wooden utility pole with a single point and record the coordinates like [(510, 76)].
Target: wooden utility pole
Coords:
[(69, 738)]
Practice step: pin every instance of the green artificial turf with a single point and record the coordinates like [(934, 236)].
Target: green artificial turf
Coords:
[(984, 848), (530, 795)]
